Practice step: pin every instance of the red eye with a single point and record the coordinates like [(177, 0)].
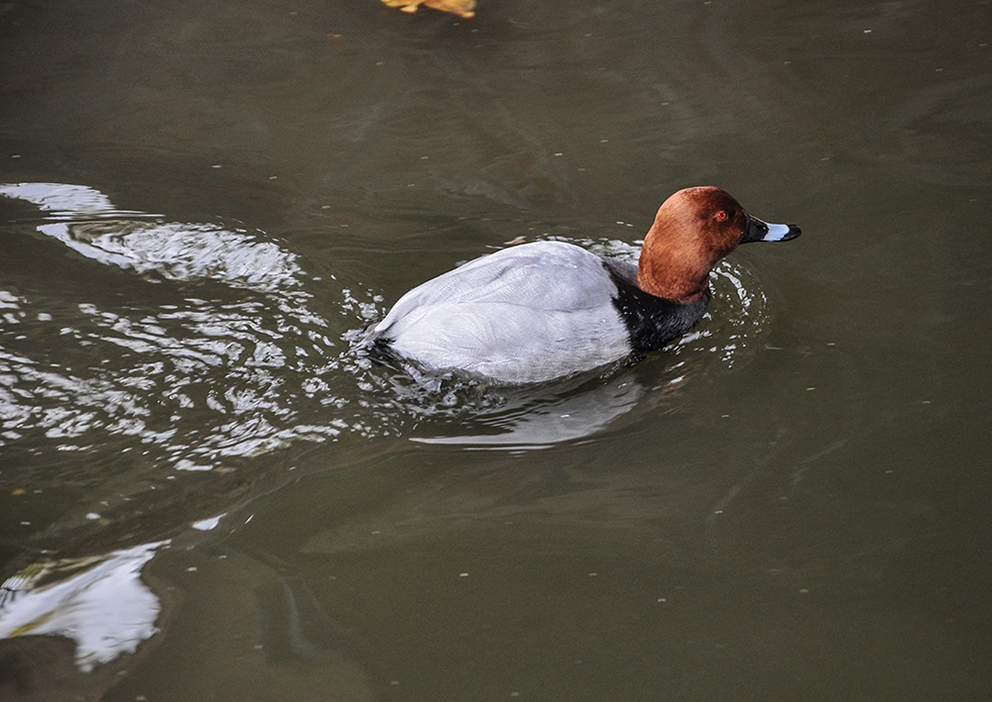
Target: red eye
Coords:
[(721, 215)]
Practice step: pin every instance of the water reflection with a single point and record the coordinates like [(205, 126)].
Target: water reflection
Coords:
[(102, 605), (537, 425)]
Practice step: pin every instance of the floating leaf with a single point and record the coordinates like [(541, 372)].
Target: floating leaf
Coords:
[(465, 8)]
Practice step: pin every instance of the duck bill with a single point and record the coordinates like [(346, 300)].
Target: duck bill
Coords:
[(763, 231)]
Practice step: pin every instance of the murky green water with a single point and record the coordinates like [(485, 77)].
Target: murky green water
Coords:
[(204, 494)]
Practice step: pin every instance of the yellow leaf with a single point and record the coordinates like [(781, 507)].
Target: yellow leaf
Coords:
[(464, 8)]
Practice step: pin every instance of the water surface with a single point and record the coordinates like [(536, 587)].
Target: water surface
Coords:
[(205, 493)]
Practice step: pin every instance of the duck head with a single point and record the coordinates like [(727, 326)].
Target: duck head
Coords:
[(694, 229)]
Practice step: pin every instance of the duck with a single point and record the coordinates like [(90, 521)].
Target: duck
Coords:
[(545, 310)]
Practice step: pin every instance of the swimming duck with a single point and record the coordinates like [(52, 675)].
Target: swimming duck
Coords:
[(548, 309)]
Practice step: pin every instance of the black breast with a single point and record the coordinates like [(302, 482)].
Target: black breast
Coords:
[(651, 321)]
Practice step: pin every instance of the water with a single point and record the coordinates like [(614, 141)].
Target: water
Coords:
[(206, 493)]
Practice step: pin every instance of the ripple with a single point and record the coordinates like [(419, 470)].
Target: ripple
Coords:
[(494, 416), (197, 383), (188, 384)]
